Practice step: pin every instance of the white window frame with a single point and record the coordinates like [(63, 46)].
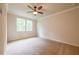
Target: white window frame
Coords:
[(25, 25)]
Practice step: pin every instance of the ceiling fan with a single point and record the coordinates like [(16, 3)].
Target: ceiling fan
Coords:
[(35, 9)]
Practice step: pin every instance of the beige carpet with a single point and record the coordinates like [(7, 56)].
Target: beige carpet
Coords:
[(38, 46)]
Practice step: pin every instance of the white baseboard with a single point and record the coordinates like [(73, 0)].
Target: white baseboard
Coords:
[(62, 42)]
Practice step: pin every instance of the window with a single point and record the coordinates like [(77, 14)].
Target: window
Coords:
[(20, 24), (29, 25), (24, 25)]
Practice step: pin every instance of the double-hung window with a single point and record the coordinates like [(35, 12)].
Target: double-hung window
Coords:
[(24, 25)]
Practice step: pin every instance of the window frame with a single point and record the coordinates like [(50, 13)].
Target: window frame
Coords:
[(25, 25), (31, 27)]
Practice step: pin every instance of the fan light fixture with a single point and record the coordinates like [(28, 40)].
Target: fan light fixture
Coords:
[(35, 10), (35, 13)]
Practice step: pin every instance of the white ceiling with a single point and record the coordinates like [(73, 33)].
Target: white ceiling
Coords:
[(21, 9)]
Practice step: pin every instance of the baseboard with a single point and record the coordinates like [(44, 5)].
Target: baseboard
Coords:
[(63, 42), (67, 43), (19, 39)]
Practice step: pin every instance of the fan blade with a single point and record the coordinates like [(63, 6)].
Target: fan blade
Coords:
[(30, 11), (30, 7), (40, 12), (40, 7), (35, 8)]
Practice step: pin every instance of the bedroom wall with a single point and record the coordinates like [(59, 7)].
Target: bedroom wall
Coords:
[(13, 35), (0, 25), (3, 28), (63, 27), (0, 34), (0, 21)]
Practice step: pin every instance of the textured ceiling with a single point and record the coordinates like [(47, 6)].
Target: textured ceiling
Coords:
[(21, 9)]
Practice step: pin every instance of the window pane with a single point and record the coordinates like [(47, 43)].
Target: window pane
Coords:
[(20, 24), (28, 25)]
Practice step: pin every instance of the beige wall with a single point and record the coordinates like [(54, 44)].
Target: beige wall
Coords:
[(0, 35), (63, 27), (0, 25), (0, 30), (13, 35), (0, 21), (3, 28)]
